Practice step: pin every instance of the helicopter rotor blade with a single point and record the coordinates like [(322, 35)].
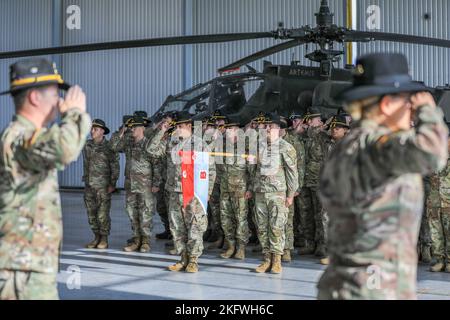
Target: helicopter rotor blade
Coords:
[(263, 53), (196, 39), (364, 36)]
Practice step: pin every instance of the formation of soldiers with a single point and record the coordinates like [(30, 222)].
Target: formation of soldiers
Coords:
[(348, 191)]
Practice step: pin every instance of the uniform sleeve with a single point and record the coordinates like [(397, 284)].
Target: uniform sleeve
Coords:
[(115, 167), (85, 177), (290, 170), (301, 163), (423, 150), (117, 143), (156, 147), (157, 167), (58, 146)]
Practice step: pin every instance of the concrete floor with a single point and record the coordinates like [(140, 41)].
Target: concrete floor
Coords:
[(115, 274)]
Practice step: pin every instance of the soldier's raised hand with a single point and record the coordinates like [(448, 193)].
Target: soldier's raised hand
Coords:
[(421, 99), (75, 98)]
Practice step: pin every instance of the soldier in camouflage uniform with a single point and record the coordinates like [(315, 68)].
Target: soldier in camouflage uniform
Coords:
[(438, 218), (310, 205), (292, 227), (372, 186), (274, 185), (234, 183), (101, 171), (319, 152), (187, 225), (144, 180), (30, 206), (217, 235)]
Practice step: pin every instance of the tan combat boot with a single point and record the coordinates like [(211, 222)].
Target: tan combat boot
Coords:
[(447, 268), (265, 265), (287, 256), (276, 264), (133, 246), (192, 267), (230, 251), (218, 244), (325, 261), (307, 249), (180, 265), (103, 244), (145, 245), (240, 253), (94, 243), (437, 266)]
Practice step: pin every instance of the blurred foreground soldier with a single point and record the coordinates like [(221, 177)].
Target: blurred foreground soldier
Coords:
[(187, 223), (30, 207), (101, 171), (438, 218), (275, 183), (372, 182)]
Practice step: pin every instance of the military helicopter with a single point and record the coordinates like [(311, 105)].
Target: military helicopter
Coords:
[(285, 88)]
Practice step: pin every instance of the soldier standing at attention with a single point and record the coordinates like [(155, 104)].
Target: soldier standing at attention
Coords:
[(372, 184), (30, 206), (234, 184), (438, 214), (101, 171), (274, 186)]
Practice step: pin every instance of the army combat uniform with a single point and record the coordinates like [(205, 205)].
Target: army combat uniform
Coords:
[(30, 207), (275, 179), (234, 183), (187, 225), (292, 226), (101, 170), (372, 188), (438, 217)]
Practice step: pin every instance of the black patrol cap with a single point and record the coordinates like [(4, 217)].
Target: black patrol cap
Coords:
[(33, 72), (183, 117), (101, 124), (339, 121), (313, 112), (137, 121), (217, 115), (126, 119)]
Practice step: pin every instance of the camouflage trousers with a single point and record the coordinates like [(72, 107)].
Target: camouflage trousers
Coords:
[(214, 204), (322, 221), (233, 215), (309, 204), (271, 218), (187, 225), (439, 221), (23, 285), (289, 229), (98, 206), (251, 217), (161, 197), (425, 234), (298, 235), (140, 208)]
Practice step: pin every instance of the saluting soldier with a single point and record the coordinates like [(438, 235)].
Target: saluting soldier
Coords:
[(31, 154)]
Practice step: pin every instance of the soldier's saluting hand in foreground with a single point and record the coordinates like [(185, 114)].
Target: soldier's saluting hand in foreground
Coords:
[(31, 154)]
